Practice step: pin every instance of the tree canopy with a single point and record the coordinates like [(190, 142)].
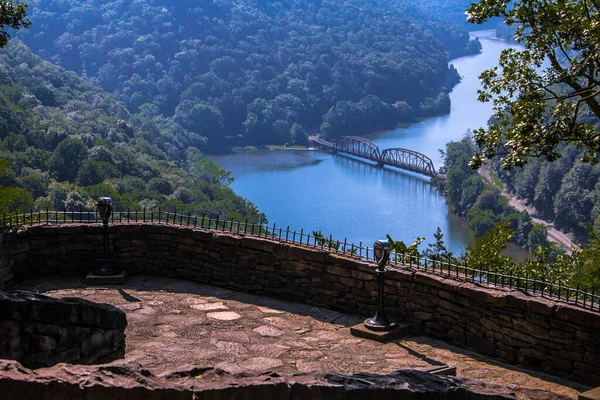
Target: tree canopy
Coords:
[(65, 142), (547, 95), (253, 70), (13, 14)]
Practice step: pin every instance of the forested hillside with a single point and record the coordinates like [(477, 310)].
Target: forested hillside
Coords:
[(65, 142), (263, 71), (480, 203), (453, 11), (566, 191)]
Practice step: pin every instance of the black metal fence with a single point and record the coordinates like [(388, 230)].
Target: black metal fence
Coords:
[(456, 271)]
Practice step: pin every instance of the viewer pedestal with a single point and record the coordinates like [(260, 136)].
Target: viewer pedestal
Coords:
[(362, 331), (116, 279)]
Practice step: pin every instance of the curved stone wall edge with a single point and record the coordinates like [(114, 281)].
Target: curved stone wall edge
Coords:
[(555, 337)]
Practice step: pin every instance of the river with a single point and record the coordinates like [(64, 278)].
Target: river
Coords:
[(351, 199)]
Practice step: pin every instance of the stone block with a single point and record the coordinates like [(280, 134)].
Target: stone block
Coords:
[(531, 329), (585, 374), (576, 315), (592, 358), (228, 239), (589, 337), (338, 271), (47, 329), (490, 325), (42, 344), (9, 328), (297, 253), (159, 237), (593, 394), (422, 316), (480, 344), (519, 336)]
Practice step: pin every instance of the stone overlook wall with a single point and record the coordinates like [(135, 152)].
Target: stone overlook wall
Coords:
[(124, 380), (40, 331), (556, 337)]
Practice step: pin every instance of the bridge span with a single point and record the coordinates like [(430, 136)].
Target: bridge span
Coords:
[(360, 147)]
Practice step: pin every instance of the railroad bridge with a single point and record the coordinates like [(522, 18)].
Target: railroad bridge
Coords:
[(360, 147)]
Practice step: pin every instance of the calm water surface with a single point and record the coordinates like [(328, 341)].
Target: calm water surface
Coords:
[(351, 199)]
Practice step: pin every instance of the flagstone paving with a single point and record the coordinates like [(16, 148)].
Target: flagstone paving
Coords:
[(173, 322)]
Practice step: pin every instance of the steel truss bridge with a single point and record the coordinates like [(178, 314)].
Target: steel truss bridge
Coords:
[(360, 147)]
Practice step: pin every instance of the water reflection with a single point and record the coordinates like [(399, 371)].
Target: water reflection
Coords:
[(348, 198)]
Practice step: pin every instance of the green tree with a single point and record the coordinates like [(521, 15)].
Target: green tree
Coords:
[(437, 250), (93, 172), (13, 14), (486, 253), (15, 199), (539, 106), (67, 159)]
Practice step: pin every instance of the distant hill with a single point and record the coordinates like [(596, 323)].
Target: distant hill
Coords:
[(453, 11), (65, 142), (261, 71)]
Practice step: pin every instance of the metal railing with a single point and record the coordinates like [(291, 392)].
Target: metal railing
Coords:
[(455, 271)]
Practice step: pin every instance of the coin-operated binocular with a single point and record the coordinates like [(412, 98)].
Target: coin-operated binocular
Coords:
[(380, 321), (381, 248), (105, 206)]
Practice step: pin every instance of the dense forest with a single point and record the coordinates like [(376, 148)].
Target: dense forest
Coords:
[(250, 72), (565, 192), (453, 11), (65, 142), (481, 203)]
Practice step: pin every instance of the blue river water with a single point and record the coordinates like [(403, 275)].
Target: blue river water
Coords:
[(351, 199)]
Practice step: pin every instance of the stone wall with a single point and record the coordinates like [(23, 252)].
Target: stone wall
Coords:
[(131, 381), (536, 332), (40, 331)]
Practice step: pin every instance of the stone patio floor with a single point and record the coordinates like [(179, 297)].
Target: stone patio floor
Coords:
[(174, 322)]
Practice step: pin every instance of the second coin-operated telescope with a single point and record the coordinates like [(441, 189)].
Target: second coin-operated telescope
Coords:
[(104, 206), (381, 248), (380, 321)]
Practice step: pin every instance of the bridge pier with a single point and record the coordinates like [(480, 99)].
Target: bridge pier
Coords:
[(380, 164)]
